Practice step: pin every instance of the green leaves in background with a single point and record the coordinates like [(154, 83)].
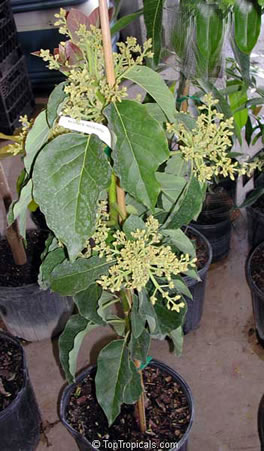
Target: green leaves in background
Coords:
[(55, 100), (125, 21), (247, 23), (70, 278), (236, 100), (153, 21), (155, 86), (69, 175), (172, 187), (139, 148), (70, 342), (36, 138), (114, 372), (210, 31)]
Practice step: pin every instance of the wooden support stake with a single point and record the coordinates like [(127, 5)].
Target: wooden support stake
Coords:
[(12, 233), (110, 75)]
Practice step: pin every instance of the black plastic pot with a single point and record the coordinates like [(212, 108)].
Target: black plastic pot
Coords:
[(257, 297), (255, 225), (20, 421), (218, 235), (261, 423), (85, 445), (197, 288), (34, 314)]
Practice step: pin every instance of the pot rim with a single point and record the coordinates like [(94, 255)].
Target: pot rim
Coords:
[(8, 410), (252, 284), (205, 268), (155, 363), (250, 207), (211, 226)]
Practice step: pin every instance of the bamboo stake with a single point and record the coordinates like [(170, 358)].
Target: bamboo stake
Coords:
[(12, 233), (110, 75), (185, 93)]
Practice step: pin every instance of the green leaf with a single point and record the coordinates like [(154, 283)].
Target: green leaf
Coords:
[(104, 305), (155, 86), (124, 21), (249, 131), (19, 208), (190, 205), (139, 346), (153, 10), (156, 112), (87, 303), (56, 98), (139, 149), (169, 320), (177, 166), (70, 278), (137, 320), (36, 138), (172, 187), (68, 178), (243, 62), (252, 197), (247, 23), (52, 259), (113, 362), (133, 388), (177, 339), (70, 342), (176, 237), (147, 310), (237, 99), (181, 287), (188, 121), (132, 224)]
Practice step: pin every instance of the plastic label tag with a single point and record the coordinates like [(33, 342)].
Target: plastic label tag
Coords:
[(87, 127)]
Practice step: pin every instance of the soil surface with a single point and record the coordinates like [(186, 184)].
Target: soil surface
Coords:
[(167, 413), (12, 275), (217, 207), (11, 372), (201, 249), (257, 268)]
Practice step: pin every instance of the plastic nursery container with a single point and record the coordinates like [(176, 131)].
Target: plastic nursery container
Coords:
[(85, 445), (219, 237), (257, 296), (255, 225), (197, 288), (20, 421)]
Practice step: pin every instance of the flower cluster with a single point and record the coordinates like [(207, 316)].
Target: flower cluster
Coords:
[(82, 59), (207, 146), (140, 260), (18, 144)]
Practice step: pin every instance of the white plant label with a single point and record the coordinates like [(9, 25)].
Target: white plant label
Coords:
[(87, 127)]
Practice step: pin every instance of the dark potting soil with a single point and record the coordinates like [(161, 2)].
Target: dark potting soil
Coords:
[(201, 249), (257, 268), (12, 275), (11, 373), (167, 413)]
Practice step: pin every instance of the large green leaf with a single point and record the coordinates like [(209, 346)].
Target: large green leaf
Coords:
[(19, 208), (125, 21), (133, 388), (55, 100), (151, 82), (70, 278), (139, 346), (137, 320), (132, 224), (69, 175), (138, 150), (36, 138), (237, 99), (247, 23), (153, 20), (112, 376), (156, 112), (190, 206), (169, 320), (146, 309), (177, 340), (52, 259), (87, 303), (171, 186), (176, 237), (70, 342)]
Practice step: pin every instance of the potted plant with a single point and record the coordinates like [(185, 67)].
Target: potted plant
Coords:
[(19, 415), (115, 214)]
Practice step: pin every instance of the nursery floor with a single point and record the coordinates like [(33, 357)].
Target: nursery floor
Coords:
[(222, 362)]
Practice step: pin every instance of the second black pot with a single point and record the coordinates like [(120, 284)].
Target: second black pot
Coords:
[(255, 225), (219, 237), (20, 421), (197, 288), (85, 445)]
